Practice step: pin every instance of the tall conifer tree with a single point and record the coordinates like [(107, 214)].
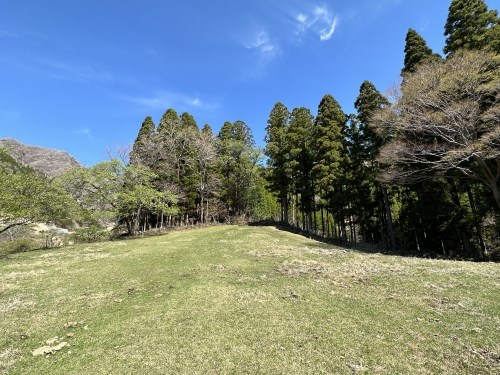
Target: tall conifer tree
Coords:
[(470, 25), (330, 167), (142, 148), (367, 103), (416, 52), (188, 121), (278, 155), (302, 160)]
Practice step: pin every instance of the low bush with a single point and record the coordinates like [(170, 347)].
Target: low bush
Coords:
[(19, 245), (90, 234)]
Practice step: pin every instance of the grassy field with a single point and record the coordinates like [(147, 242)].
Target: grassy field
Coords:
[(249, 300)]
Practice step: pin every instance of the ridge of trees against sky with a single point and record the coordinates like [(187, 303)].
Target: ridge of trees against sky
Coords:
[(417, 172)]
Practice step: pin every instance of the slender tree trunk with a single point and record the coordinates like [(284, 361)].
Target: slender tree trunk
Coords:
[(327, 223), (129, 227), (351, 225), (201, 208), (382, 231), (322, 222), (285, 214), (421, 219), (473, 207), (390, 228), (464, 232)]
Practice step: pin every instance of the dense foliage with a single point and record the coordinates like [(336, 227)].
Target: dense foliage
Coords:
[(177, 175), (27, 197), (419, 173)]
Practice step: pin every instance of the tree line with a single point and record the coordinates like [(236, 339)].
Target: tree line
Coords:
[(417, 172)]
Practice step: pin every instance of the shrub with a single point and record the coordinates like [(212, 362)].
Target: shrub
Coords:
[(93, 233), (19, 245)]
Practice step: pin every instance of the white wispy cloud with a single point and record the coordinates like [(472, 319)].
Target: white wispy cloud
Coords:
[(169, 99), (320, 20), (263, 50), (261, 41)]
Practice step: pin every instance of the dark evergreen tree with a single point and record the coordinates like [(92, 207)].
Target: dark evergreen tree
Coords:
[(470, 25), (237, 158), (169, 122), (330, 159), (143, 146), (416, 52), (300, 134), (368, 102), (278, 155), (207, 130), (188, 121)]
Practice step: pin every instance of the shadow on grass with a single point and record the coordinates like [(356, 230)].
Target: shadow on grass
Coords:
[(326, 242)]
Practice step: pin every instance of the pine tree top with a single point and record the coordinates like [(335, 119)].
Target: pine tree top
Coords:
[(416, 52), (470, 25)]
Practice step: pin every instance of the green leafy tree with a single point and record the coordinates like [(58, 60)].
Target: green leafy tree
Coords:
[(115, 193), (470, 25), (238, 159), (206, 177), (28, 197), (175, 161)]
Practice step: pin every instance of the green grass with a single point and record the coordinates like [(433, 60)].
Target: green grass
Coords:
[(250, 300)]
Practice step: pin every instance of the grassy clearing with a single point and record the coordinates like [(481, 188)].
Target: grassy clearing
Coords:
[(245, 300)]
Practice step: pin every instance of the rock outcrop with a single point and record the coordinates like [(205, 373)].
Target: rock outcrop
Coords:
[(48, 161)]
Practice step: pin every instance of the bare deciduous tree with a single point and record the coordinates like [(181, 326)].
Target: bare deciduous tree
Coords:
[(446, 123)]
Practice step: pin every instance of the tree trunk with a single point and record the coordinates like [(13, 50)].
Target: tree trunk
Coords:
[(285, 214), (390, 229), (327, 224), (322, 222), (473, 207), (464, 231)]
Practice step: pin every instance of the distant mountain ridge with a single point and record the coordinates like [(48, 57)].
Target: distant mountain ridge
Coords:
[(48, 161)]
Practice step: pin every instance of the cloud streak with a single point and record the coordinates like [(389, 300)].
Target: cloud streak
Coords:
[(84, 132), (321, 21), (169, 99), (262, 43)]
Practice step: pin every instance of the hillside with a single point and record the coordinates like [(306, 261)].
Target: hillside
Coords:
[(230, 300), (48, 161)]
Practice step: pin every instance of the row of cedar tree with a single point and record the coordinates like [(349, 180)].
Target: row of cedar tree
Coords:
[(418, 174)]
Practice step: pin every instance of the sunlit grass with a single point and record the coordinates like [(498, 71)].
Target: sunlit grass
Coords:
[(245, 300)]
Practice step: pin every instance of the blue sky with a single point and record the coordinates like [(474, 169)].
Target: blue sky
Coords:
[(81, 75)]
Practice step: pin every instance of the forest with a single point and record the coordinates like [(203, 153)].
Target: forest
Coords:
[(413, 171)]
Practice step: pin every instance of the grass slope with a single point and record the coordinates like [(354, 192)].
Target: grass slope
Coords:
[(245, 300)]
